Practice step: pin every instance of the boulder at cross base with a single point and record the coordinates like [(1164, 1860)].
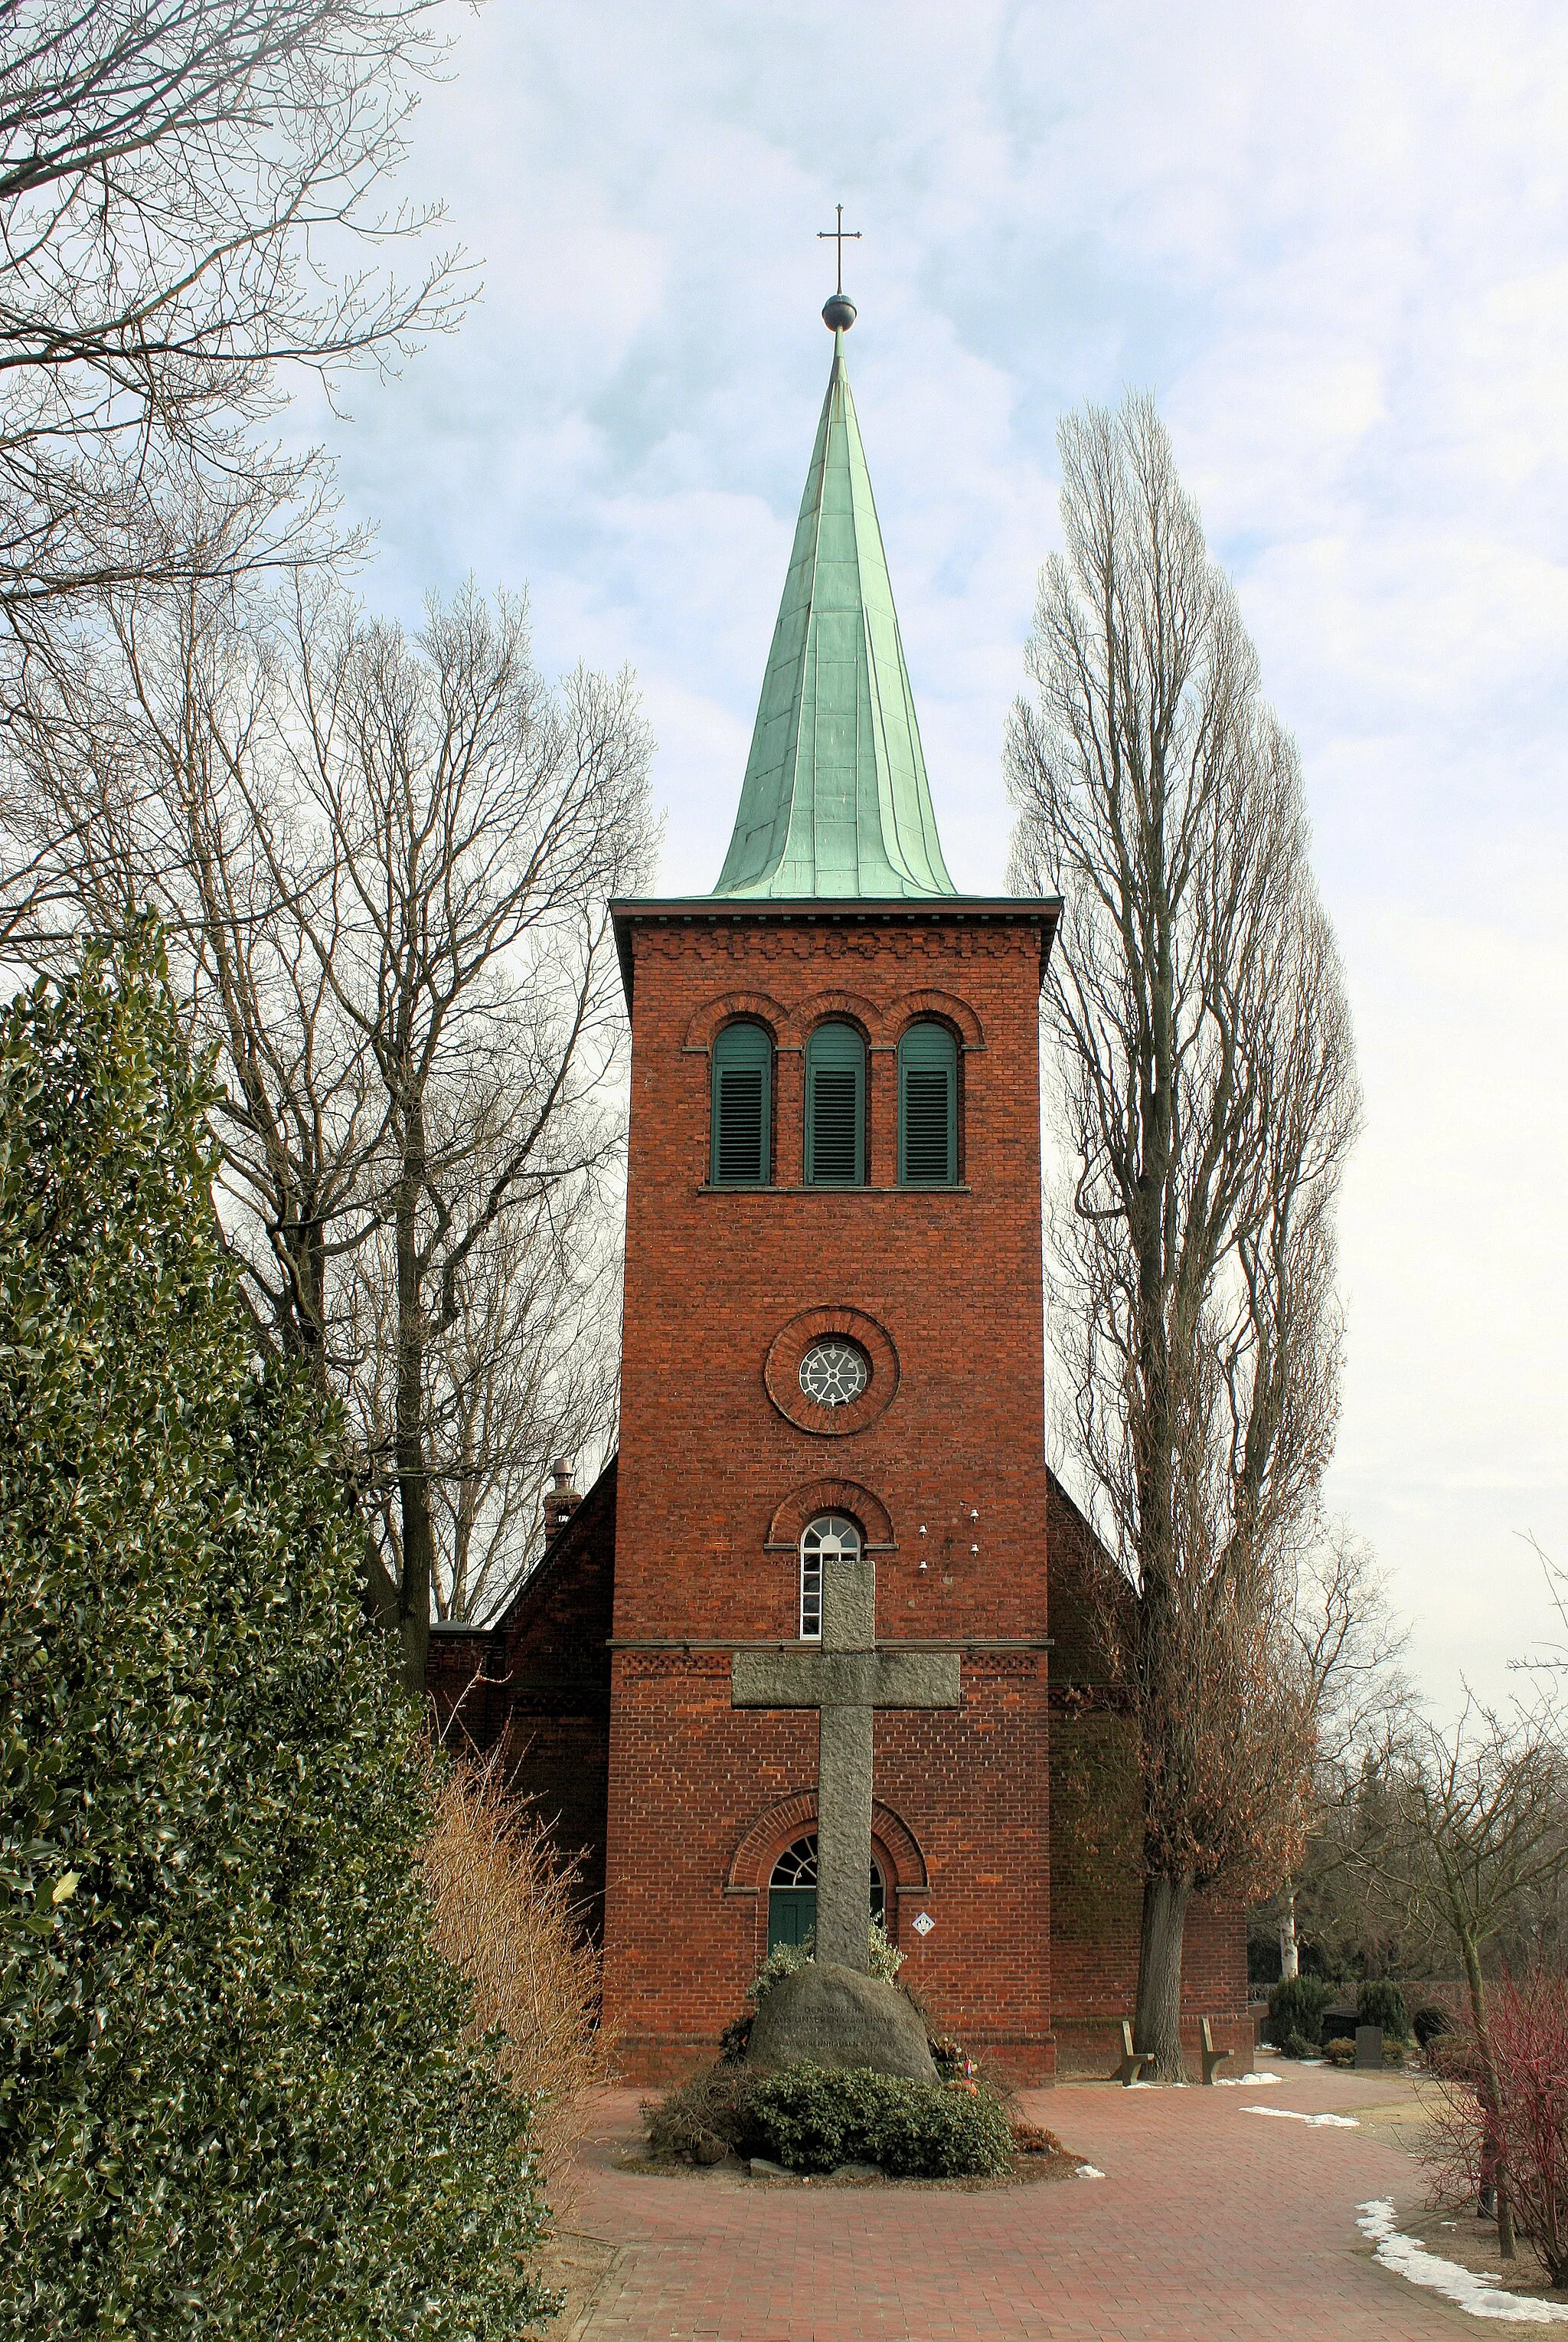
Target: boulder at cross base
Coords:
[(834, 2017)]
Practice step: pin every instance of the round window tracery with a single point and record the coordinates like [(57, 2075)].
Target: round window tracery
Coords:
[(833, 1373)]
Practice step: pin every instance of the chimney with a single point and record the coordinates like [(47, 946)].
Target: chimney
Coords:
[(560, 1502)]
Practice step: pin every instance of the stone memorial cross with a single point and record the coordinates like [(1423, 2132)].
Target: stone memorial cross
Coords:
[(847, 1678)]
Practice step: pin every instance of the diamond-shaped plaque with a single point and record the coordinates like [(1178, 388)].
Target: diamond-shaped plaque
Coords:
[(924, 1923)]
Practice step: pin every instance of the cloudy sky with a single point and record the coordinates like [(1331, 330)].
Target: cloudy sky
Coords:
[(1334, 242)]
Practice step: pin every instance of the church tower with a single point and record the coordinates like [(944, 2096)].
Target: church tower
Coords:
[(833, 1349)]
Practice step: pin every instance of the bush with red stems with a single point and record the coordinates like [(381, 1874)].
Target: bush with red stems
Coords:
[(1515, 2130)]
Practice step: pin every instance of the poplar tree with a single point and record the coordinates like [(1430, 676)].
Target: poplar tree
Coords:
[(1204, 1089)]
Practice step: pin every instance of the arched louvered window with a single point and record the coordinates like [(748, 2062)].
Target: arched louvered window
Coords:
[(928, 1108), (835, 1108), (741, 1108)]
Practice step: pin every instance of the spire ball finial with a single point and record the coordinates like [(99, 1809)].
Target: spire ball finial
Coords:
[(838, 309)]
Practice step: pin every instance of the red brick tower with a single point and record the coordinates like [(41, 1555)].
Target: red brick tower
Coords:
[(833, 1331)]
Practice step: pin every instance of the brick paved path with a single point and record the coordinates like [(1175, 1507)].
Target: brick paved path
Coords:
[(1212, 2224)]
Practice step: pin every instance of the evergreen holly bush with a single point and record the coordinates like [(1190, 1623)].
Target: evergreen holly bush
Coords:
[(1297, 2004), (1380, 2001), (235, 2093)]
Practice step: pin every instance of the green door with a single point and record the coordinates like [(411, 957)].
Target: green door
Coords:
[(791, 1915)]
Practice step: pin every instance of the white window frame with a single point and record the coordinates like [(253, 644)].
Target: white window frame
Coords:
[(831, 1536)]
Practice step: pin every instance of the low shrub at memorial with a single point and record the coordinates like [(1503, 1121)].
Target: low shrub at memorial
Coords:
[(812, 2119), (1380, 2001), (1296, 2045), (1340, 2052), (703, 2119)]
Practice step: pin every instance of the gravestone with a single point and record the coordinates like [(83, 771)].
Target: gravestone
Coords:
[(1368, 2048)]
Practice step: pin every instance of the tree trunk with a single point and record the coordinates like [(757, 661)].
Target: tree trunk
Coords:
[(1290, 1957), (378, 1593), (413, 1488), (1490, 2096), (1157, 2029)]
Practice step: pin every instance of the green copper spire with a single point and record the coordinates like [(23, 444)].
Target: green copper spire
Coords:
[(836, 800)]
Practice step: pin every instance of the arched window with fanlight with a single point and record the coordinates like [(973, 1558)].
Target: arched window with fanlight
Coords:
[(829, 1538), (741, 1108), (927, 1108), (835, 1108), (792, 1894)]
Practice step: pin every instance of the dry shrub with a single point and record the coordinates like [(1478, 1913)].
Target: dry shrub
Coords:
[(701, 2120), (504, 1913), (1524, 2140)]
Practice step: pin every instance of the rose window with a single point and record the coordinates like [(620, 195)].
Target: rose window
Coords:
[(833, 1373)]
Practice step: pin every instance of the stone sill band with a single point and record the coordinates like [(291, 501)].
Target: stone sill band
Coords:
[(1018, 1642), (755, 1187)]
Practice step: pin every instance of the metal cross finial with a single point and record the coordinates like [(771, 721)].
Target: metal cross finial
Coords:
[(839, 236)]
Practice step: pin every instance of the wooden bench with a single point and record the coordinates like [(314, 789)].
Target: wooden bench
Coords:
[(1133, 2060), (1212, 2058)]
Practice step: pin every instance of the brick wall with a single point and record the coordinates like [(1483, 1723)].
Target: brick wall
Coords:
[(951, 1281), (537, 1685)]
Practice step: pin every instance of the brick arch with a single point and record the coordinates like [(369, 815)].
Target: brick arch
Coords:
[(760, 1007), (822, 1006), (780, 1370), (751, 1865), (914, 1005), (803, 1503)]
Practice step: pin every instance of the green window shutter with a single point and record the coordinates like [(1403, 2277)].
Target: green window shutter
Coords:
[(928, 1108), (741, 1108), (835, 1108)]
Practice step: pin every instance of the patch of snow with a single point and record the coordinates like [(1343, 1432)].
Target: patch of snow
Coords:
[(1472, 2290), (1087, 2171), (1318, 2122), (1245, 2081)]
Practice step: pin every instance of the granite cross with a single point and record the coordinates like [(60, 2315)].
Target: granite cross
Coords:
[(847, 1678)]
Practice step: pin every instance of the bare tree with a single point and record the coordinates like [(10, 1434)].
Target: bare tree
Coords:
[(191, 195), (1468, 1828), (525, 1371), (1204, 1082), (384, 863), (157, 761), (1350, 1649), (481, 825)]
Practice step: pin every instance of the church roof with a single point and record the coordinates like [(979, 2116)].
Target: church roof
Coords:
[(835, 800)]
